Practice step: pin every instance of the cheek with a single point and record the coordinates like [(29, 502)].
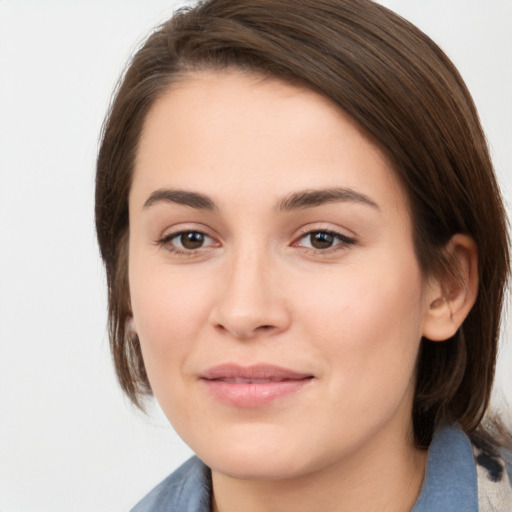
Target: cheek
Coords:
[(168, 319), (361, 298), (368, 324), (169, 312)]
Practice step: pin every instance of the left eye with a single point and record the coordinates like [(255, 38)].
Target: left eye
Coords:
[(321, 240)]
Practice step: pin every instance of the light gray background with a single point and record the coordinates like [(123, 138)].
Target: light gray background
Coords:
[(69, 441)]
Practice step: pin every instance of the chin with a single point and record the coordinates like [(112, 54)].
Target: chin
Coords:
[(262, 467), (261, 457)]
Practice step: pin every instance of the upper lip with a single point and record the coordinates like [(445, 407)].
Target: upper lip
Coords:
[(260, 372)]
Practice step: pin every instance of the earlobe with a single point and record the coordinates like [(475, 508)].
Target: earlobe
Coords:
[(451, 297)]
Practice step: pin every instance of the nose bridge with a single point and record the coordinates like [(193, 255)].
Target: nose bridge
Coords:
[(249, 276), (250, 301)]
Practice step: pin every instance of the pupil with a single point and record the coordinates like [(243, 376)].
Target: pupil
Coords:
[(192, 240), (322, 240)]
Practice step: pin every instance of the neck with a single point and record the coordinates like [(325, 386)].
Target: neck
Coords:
[(385, 475)]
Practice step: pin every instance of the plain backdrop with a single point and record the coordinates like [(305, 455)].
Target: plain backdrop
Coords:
[(69, 440)]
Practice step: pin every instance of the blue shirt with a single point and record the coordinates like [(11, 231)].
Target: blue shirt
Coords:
[(450, 483)]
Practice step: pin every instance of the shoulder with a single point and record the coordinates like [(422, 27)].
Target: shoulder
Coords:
[(188, 489)]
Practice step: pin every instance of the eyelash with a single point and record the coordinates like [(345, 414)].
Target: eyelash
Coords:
[(166, 242), (342, 242)]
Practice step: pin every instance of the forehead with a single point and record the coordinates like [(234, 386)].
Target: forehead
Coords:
[(220, 131)]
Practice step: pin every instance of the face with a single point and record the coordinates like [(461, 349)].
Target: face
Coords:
[(274, 285)]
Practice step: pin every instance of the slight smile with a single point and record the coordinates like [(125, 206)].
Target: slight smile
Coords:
[(252, 386)]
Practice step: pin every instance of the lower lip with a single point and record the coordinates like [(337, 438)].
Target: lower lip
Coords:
[(253, 394)]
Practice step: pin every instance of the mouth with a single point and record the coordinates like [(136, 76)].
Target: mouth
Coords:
[(253, 386)]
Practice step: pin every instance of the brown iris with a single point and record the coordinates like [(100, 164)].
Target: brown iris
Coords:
[(192, 240), (321, 240)]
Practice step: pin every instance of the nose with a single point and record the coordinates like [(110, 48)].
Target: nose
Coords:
[(251, 302)]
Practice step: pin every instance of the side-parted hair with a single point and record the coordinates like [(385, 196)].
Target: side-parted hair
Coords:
[(405, 94)]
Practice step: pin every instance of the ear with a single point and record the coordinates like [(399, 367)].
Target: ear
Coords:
[(451, 297)]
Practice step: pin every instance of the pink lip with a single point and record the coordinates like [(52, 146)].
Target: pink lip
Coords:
[(252, 386)]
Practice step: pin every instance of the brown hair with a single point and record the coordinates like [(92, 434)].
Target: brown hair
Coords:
[(403, 91)]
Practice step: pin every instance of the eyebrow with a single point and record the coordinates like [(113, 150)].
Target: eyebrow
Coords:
[(312, 198), (184, 197), (295, 201)]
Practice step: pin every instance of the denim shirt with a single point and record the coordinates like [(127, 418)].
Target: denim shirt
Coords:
[(450, 483)]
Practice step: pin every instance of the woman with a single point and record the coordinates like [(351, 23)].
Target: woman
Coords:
[(306, 255)]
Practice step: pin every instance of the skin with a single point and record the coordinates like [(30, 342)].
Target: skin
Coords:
[(257, 290)]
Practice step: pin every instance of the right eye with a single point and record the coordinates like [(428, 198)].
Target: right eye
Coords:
[(186, 241)]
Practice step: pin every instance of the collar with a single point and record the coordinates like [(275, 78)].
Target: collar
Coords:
[(450, 481), (188, 489)]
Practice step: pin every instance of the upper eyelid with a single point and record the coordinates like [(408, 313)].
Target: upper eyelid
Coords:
[(331, 231), (342, 237), (170, 236), (322, 227), (176, 234), (171, 231)]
